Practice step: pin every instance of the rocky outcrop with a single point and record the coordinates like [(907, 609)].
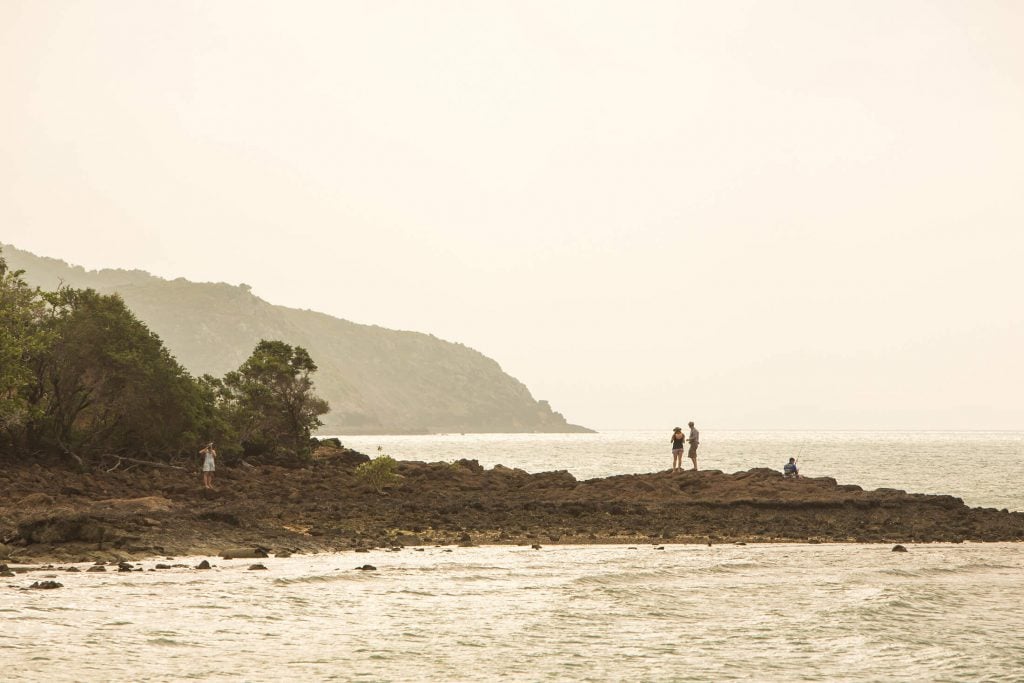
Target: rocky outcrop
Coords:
[(376, 380), (257, 511)]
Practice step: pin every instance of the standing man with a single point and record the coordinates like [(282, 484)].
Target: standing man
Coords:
[(694, 442)]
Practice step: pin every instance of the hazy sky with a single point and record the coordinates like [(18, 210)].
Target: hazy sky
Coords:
[(749, 214)]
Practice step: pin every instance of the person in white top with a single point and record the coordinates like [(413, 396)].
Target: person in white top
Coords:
[(209, 464)]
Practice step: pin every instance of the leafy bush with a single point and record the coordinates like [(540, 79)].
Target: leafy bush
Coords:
[(379, 472)]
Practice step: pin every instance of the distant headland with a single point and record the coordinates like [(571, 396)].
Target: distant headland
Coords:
[(376, 380)]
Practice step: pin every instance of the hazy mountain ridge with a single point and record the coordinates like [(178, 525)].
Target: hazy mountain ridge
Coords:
[(376, 380)]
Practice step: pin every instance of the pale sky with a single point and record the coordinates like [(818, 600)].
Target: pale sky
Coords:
[(748, 214)]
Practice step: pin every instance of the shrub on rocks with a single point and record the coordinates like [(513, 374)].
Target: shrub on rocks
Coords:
[(380, 472)]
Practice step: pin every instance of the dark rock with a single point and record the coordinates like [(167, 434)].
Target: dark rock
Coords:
[(535, 546), (123, 567), (203, 565), (898, 549), (96, 568), (408, 539), (222, 517), (246, 553), (257, 566), (46, 585), (418, 550), (162, 566), (72, 569), (659, 547), (367, 568), (6, 573), (362, 550)]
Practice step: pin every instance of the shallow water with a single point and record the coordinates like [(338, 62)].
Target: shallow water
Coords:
[(756, 612)]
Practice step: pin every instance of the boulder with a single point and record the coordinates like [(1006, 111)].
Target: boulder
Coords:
[(898, 549), (203, 565), (244, 553), (124, 567), (408, 539), (257, 566), (367, 568), (96, 568), (46, 585)]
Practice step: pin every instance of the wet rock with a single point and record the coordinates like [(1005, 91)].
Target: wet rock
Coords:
[(256, 567), (244, 553), (124, 567), (446, 550), (362, 550), (162, 566), (632, 547), (418, 550), (898, 548), (659, 547), (367, 568), (64, 528), (72, 569), (96, 568), (203, 565), (535, 546), (408, 539), (46, 585)]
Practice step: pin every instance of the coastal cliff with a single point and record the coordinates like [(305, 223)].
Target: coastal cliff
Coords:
[(376, 380), (59, 514)]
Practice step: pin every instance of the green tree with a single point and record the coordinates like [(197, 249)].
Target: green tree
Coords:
[(270, 400), (106, 384), (22, 310)]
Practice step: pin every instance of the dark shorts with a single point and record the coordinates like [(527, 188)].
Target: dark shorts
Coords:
[(693, 450)]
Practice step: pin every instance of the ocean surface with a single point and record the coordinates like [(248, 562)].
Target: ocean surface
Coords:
[(758, 612)]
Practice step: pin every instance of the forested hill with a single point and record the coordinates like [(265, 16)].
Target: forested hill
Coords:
[(376, 380)]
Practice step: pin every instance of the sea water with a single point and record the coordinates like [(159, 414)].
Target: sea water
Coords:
[(764, 612)]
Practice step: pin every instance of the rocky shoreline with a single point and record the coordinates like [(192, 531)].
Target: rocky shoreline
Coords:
[(52, 514)]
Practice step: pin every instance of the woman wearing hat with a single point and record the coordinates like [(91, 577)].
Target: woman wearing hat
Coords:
[(678, 442)]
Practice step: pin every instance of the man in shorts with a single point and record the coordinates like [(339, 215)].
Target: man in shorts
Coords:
[(694, 442)]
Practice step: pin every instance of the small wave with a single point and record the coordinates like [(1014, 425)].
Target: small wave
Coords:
[(339, 576), (167, 642), (640, 576)]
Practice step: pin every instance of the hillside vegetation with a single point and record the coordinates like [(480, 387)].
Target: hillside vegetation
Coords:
[(376, 380)]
